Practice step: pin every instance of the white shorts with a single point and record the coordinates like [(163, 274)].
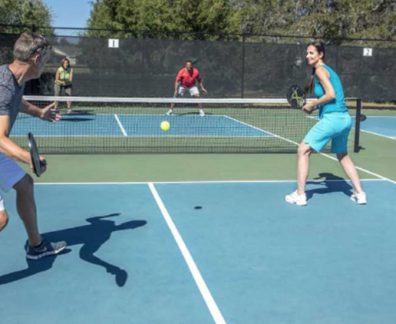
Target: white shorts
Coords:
[(10, 174), (193, 91)]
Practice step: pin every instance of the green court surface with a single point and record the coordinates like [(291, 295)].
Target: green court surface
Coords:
[(377, 156), (378, 159)]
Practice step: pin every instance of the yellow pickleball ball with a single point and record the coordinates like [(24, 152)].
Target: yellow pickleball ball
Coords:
[(165, 125)]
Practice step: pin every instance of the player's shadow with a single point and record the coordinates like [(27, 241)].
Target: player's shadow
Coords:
[(78, 112), (76, 119), (91, 237), (78, 116), (332, 183), (191, 113)]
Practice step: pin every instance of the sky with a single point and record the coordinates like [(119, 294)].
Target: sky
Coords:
[(69, 13)]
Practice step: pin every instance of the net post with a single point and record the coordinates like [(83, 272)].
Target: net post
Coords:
[(243, 66), (357, 125)]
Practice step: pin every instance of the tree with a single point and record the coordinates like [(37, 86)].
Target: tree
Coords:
[(24, 13), (330, 19), (196, 19)]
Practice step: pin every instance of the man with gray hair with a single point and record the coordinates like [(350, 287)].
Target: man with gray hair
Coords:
[(31, 52)]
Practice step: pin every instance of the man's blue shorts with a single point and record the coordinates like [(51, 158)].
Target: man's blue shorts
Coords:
[(333, 126)]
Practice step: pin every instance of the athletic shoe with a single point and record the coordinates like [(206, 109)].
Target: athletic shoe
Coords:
[(295, 198), (359, 198), (201, 113), (170, 112), (44, 249)]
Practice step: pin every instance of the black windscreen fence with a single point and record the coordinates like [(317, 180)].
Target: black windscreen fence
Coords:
[(230, 69)]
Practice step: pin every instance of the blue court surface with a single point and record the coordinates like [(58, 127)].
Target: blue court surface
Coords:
[(384, 126), (204, 252), (137, 125)]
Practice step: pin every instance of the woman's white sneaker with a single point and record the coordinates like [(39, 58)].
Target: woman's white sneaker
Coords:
[(295, 198), (359, 198)]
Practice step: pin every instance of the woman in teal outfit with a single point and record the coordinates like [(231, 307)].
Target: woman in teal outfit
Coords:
[(334, 124)]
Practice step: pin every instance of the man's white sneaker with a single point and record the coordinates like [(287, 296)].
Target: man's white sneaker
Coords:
[(201, 113), (170, 112), (359, 198), (295, 198)]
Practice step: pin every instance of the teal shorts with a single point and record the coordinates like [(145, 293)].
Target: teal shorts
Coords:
[(333, 126)]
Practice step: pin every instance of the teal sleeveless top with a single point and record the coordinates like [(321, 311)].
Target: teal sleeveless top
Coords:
[(338, 103)]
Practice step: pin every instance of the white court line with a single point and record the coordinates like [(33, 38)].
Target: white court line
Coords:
[(147, 136), (187, 182), (264, 131), (362, 169), (207, 296), (116, 116), (249, 125), (380, 116), (377, 134), (333, 158), (120, 125)]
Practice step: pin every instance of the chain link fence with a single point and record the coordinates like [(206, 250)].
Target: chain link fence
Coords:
[(247, 67)]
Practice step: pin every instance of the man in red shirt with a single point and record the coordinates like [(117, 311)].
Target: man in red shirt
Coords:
[(185, 80)]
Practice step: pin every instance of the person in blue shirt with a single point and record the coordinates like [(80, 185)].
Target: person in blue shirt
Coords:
[(334, 124)]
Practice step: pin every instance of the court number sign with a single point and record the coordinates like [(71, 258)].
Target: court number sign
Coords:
[(114, 43), (367, 51)]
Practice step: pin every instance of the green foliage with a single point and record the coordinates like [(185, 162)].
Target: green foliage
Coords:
[(333, 20), (25, 13), (197, 19), (330, 19), (208, 19)]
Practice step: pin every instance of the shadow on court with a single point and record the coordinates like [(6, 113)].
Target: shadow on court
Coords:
[(191, 113), (79, 112), (91, 237), (78, 116), (332, 182), (76, 119)]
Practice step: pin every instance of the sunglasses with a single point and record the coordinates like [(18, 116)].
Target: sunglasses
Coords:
[(42, 48)]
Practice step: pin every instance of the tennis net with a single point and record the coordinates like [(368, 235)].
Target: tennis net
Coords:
[(132, 125)]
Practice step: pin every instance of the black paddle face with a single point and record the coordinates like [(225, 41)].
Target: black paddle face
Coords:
[(38, 165), (295, 97)]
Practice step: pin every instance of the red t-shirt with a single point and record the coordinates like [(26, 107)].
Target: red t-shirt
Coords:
[(187, 78)]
